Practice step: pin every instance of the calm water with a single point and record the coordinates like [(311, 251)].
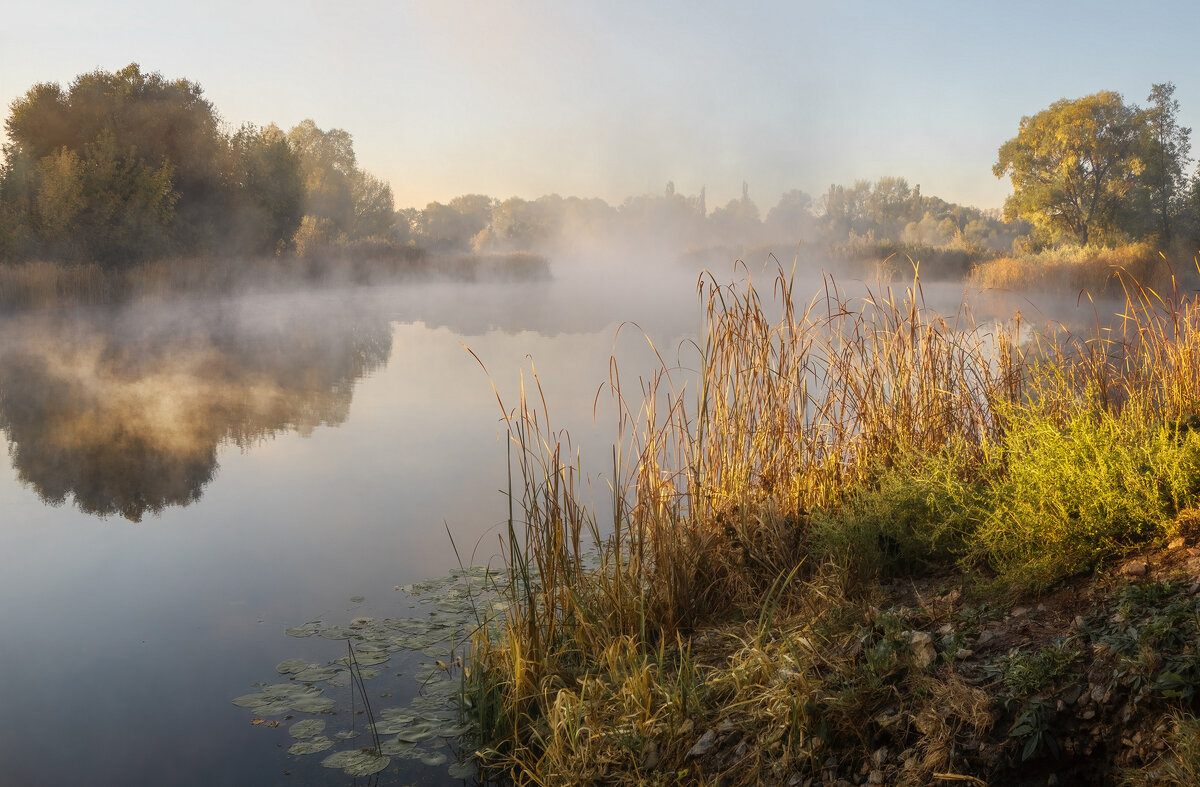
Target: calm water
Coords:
[(186, 480)]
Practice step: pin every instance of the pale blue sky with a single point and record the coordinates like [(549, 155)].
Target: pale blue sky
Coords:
[(615, 98)]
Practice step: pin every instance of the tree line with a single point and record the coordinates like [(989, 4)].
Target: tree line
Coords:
[(122, 167)]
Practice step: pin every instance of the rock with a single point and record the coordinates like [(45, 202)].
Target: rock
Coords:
[(1073, 694), (1019, 612), (922, 648), (702, 746), (1134, 568), (1177, 543), (1098, 692), (875, 777), (964, 653), (880, 755), (650, 756)]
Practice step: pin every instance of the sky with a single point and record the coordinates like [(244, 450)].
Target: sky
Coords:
[(613, 99)]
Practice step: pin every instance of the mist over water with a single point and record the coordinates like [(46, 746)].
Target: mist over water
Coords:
[(189, 477)]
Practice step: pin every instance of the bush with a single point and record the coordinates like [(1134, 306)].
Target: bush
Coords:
[(1078, 492)]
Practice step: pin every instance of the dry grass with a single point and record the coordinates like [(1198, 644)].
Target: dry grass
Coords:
[(1073, 269), (600, 670), (714, 489)]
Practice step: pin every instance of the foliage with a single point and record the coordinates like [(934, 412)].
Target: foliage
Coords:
[(123, 167), (1095, 169), (1071, 268)]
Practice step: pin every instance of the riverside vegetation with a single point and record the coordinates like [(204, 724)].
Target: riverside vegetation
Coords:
[(862, 543)]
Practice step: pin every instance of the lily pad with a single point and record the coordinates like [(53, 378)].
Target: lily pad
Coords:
[(307, 630), (314, 673), (398, 748), (312, 704), (435, 758), (357, 763), (318, 744), (465, 769), (307, 728), (291, 665)]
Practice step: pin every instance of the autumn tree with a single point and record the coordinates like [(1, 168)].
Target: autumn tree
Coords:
[(341, 201), (1076, 169), (265, 175)]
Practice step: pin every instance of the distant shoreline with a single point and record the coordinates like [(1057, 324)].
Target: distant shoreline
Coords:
[(45, 285)]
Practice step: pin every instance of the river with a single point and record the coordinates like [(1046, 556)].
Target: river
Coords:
[(188, 479)]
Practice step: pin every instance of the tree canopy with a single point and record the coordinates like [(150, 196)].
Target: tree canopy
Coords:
[(1096, 169), (120, 167)]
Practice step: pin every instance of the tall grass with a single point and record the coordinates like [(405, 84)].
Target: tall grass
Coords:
[(789, 409), (1071, 269), (794, 451)]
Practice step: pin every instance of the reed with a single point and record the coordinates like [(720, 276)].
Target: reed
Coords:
[(1073, 269), (789, 455)]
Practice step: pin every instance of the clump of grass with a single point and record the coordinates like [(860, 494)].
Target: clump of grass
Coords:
[(1073, 269)]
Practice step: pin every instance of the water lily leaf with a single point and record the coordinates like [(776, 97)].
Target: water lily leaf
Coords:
[(318, 744), (357, 763), (398, 748), (370, 659), (345, 735), (337, 632), (435, 758), (250, 700), (315, 673), (307, 630), (307, 728), (292, 665), (312, 704), (463, 770)]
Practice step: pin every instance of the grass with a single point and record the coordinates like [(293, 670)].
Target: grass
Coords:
[(1072, 269), (764, 481)]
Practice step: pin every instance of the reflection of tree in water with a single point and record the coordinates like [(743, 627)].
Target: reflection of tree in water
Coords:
[(129, 425)]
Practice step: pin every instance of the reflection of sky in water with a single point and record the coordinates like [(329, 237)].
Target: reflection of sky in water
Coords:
[(124, 643)]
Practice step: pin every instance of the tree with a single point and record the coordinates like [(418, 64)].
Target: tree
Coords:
[(792, 217), (117, 167), (265, 175), (327, 167), (1166, 147), (1075, 167)]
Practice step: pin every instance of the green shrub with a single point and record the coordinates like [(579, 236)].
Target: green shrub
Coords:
[(912, 514), (1076, 492)]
